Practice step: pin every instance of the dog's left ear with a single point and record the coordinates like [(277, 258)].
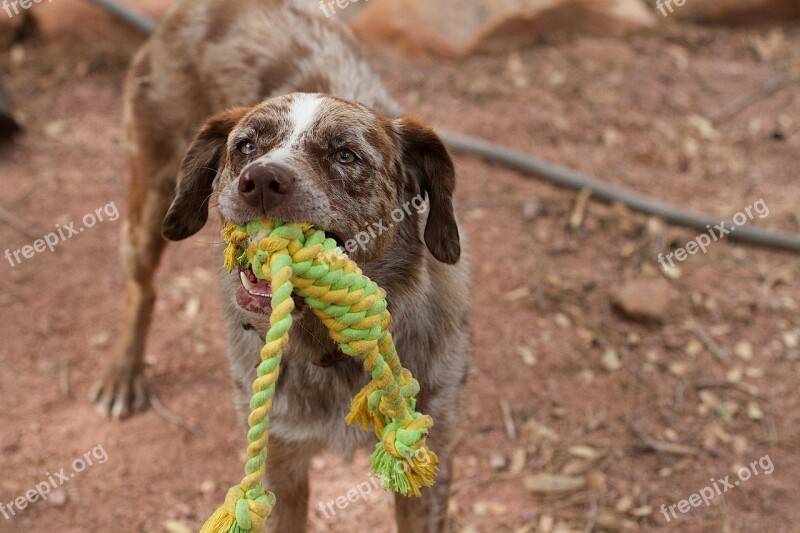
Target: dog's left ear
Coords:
[(427, 160), (189, 210)]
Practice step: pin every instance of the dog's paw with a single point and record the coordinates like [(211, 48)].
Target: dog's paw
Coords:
[(121, 393)]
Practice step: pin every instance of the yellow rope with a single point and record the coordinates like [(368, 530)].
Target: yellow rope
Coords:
[(297, 259)]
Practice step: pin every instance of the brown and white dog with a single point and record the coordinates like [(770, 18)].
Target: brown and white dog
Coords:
[(301, 129)]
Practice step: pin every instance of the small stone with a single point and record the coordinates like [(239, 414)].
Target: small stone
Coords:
[(191, 309), (55, 129), (791, 339), (99, 339), (643, 300), (740, 446), (624, 504), (527, 356), (734, 375), (611, 361), (671, 272), (754, 412), (703, 126), (708, 398), (562, 320), (174, 526), (208, 487), (743, 350), (497, 461), (546, 523), (693, 348), (611, 137), (679, 368), (531, 210), (58, 498)]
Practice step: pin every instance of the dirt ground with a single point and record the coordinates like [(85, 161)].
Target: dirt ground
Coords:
[(626, 415)]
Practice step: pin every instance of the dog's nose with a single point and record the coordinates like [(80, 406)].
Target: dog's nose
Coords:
[(265, 185)]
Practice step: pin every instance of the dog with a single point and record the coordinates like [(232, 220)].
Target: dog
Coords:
[(300, 129)]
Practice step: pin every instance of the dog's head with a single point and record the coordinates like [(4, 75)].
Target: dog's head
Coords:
[(314, 158)]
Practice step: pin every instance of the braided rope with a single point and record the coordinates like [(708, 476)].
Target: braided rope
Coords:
[(298, 259)]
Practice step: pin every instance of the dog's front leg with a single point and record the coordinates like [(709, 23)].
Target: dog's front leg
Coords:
[(287, 477), (428, 513)]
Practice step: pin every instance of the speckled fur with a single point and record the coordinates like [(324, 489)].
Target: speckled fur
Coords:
[(209, 56)]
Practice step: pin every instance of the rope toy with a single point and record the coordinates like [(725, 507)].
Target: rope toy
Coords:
[(298, 259)]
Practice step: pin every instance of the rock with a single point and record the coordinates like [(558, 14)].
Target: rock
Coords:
[(497, 461), (743, 350), (58, 498), (453, 28), (624, 504), (643, 300), (734, 11), (174, 526), (610, 360), (208, 487), (754, 412)]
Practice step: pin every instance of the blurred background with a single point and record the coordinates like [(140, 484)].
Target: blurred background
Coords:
[(604, 385)]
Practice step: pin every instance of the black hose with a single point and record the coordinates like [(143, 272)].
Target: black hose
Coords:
[(564, 177), (138, 20), (554, 174)]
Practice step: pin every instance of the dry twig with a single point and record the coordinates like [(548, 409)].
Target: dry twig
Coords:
[(669, 448), (171, 417), (721, 354)]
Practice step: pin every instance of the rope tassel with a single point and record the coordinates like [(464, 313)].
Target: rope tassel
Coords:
[(299, 260)]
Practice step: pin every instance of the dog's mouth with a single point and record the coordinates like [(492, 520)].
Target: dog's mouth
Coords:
[(255, 295)]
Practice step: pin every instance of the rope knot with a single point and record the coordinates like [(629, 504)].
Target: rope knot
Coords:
[(299, 260)]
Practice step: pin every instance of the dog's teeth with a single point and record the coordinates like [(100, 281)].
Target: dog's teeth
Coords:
[(248, 285)]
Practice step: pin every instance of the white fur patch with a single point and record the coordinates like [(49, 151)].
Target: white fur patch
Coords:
[(302, 114)]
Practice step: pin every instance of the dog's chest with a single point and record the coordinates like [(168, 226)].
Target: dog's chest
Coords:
[(311, 401)]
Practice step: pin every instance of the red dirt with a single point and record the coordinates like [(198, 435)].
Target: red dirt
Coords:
[(616, 109)]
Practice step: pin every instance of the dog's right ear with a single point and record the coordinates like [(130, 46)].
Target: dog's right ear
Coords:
[(189, 211)]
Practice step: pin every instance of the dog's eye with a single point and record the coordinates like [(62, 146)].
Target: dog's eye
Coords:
[(346, 157), (247, 147)]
